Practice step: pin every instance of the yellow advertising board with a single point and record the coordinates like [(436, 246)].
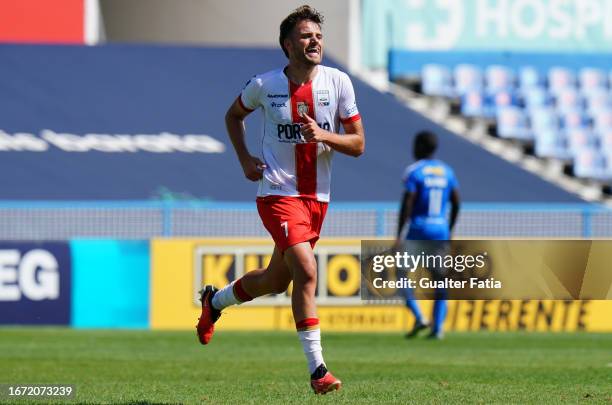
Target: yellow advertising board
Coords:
[(181, 266)]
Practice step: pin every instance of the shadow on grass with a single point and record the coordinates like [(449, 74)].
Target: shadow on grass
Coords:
[(149, 403)]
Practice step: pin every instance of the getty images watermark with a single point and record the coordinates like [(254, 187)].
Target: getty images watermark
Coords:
[(484, 270), (437, 263)]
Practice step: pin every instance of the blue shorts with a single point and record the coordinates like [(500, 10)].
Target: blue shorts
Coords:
[(428, 233)]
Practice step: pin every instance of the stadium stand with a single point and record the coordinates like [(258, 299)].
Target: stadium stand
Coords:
[(559, 107), (64, 177), (121, 89)]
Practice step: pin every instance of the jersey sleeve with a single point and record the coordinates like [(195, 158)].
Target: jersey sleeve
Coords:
[(410, 181), (452, 180), (346, 103), (249, 98)]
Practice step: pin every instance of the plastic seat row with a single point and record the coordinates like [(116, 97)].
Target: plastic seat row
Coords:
[(566, 114), (440, 80), (517, 123), (593, 164), (590, 153)]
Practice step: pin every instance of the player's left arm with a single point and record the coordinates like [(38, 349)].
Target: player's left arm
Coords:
[(351, 143), (455, 206)]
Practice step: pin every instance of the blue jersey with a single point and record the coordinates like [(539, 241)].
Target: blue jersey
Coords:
[(432, 181)]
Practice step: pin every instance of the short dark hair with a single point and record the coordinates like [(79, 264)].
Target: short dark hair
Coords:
[(425, 144), (304, 12)]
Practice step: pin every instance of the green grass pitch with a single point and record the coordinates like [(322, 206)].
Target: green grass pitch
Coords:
[(236, 368)]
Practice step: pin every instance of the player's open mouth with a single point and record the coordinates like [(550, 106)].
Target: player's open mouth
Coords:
[(312, 51)]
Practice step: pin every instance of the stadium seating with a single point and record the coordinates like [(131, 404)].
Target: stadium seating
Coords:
[(591, 79), (589, 163), (550, 143), (498, 78), (597, 100), (512, 123), (566, 112), (536, 96), (530, 77), (605, 141), (437, 80), (468, 78)]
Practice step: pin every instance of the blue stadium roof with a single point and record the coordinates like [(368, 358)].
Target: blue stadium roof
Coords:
[(132, 89)]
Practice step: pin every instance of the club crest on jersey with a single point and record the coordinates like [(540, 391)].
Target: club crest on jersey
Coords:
[(434, 170), (322, 97), (302, 108)]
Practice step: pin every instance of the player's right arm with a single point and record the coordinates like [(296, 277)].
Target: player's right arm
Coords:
[(405, 212), (410, 181), (245, 104), (252, 166)]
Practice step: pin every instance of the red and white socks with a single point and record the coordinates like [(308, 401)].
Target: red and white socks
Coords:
[(231, 294), (308, 329), (310, 337)]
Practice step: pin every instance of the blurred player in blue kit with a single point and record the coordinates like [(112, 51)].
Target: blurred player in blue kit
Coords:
[(429, 184)]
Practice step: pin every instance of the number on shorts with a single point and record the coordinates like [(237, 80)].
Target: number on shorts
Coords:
[(285, 226)]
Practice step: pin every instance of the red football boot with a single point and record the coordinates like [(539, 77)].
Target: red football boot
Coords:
[(325, 384), (206, 324)]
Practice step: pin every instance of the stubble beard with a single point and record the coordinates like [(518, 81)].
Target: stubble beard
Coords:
[(303, 59)]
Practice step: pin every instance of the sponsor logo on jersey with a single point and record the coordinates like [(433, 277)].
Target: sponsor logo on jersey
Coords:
[(440, 182), (291, 132), (277, 105), (349, 111), (278, 95), (247, 83), (435, 170), (322, 97)]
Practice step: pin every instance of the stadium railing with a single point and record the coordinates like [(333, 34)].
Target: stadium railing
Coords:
[(49, 220)]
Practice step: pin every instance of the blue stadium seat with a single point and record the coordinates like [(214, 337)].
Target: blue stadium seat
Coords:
[(589, 164), (597, 101), (560, 78), (568, 99), (609, 74), (542, 118), (468, 77), (607, 170), (536, 96), (575, 118), (580, 138), (591, 79), (498, 78), (530, 77), (502, 98), (602, 120), (550, 143), (605, 141), (476, 103), (512, 123), (437, 80)]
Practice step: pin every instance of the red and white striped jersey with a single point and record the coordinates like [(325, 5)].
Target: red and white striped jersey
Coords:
[(296, 167)]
